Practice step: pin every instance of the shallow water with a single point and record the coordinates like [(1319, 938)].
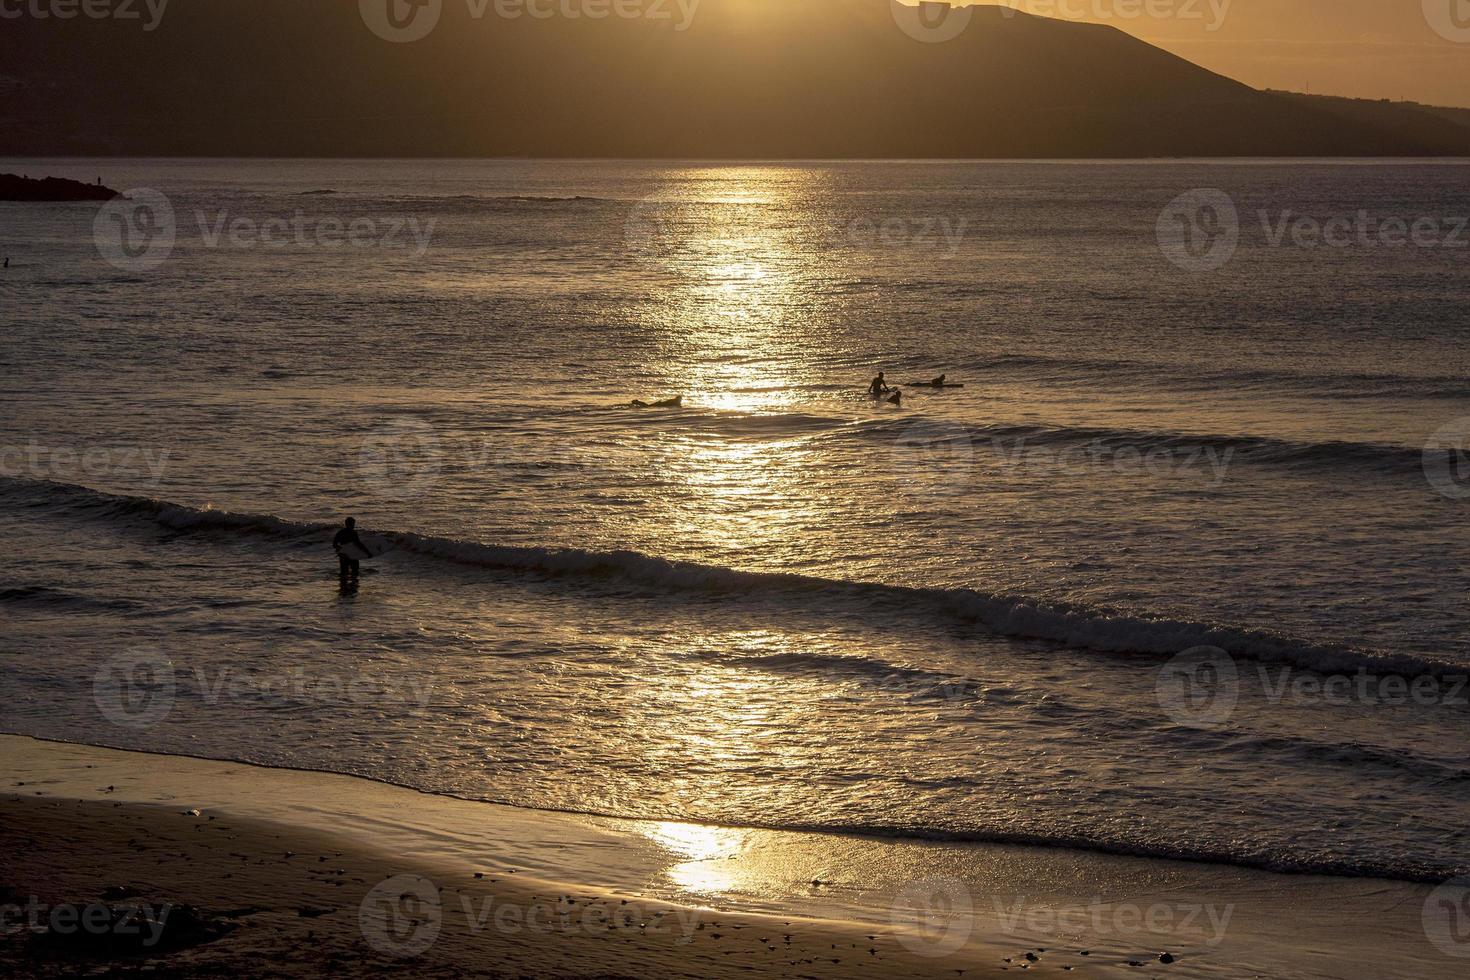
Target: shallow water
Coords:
[(950, 619)]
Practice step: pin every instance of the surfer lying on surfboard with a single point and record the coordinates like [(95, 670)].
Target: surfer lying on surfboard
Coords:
[(676, 402), (938, 382)]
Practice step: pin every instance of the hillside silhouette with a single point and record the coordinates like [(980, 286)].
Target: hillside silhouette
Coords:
[(746, 79)]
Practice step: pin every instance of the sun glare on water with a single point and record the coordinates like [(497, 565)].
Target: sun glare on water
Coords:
[(705, 856)]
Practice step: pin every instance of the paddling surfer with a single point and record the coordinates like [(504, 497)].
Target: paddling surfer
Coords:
[(349, 568)]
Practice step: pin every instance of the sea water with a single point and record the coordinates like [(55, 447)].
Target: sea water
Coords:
[(1180, 571)]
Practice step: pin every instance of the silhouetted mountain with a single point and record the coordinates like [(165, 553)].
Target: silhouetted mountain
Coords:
[(746, 79)]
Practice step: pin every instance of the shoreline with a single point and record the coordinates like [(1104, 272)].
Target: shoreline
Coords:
[(925, 907), (875, 837)]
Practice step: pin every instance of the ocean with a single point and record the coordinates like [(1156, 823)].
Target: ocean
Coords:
[(1179, 571)]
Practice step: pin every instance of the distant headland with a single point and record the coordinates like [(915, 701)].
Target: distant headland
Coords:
[(14, 187)]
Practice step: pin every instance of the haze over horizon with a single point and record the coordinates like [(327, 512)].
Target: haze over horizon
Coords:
[(1415, 50)]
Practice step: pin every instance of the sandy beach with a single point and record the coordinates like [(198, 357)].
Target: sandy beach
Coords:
[(220, 894), (229, 868)]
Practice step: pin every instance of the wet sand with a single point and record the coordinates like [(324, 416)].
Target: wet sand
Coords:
[(235, 869), (230, 896)]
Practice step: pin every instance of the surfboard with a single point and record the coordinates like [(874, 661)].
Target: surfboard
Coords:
[(377, 547)]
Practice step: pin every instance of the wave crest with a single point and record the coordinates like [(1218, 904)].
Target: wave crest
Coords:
[(1085, 627)]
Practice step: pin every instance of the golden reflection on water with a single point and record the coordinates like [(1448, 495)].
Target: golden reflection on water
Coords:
[(706, 857), (739, 253), (743, 246)]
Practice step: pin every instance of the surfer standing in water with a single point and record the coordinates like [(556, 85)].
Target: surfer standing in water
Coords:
[(879, 386), (349, 568)]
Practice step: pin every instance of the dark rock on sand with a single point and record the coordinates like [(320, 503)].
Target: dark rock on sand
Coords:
[(14, 187)]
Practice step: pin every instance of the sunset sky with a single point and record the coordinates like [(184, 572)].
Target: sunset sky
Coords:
[(1361, 48)]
